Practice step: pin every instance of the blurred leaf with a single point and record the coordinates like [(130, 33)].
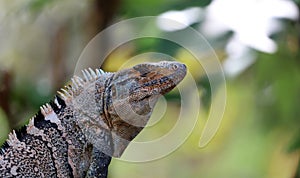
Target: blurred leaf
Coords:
[(189, 3), (295, 145), (204, 85), (27, 95), (38, 5), (282, 163), (133, 8), (297, 2), (4, 126), (278, 81)]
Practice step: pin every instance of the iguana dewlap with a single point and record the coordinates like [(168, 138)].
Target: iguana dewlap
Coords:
[(89, 121)]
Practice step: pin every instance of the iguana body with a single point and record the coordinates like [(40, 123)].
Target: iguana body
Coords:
[(89, 121)]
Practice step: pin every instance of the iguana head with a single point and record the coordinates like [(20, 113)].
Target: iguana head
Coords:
[(135, 91), (140, 86), (155, 79)]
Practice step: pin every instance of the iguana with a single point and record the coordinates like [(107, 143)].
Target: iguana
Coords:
[(90, 120)]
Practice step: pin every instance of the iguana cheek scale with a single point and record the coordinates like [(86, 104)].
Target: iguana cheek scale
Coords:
[(89, 121)]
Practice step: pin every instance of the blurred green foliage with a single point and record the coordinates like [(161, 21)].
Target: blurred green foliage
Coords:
[(134, 8), (4, 127), (38, 5)]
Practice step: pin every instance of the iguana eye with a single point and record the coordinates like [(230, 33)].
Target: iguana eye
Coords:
[(174, 66)]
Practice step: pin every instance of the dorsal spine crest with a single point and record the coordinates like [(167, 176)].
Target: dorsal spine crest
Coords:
[(77, 83)]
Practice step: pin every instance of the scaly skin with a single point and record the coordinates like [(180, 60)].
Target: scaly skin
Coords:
[(89, 121)]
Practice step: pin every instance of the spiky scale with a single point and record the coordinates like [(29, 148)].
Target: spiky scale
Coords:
[(99, 72), (93, 74), (87, 75), (75, 84)]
